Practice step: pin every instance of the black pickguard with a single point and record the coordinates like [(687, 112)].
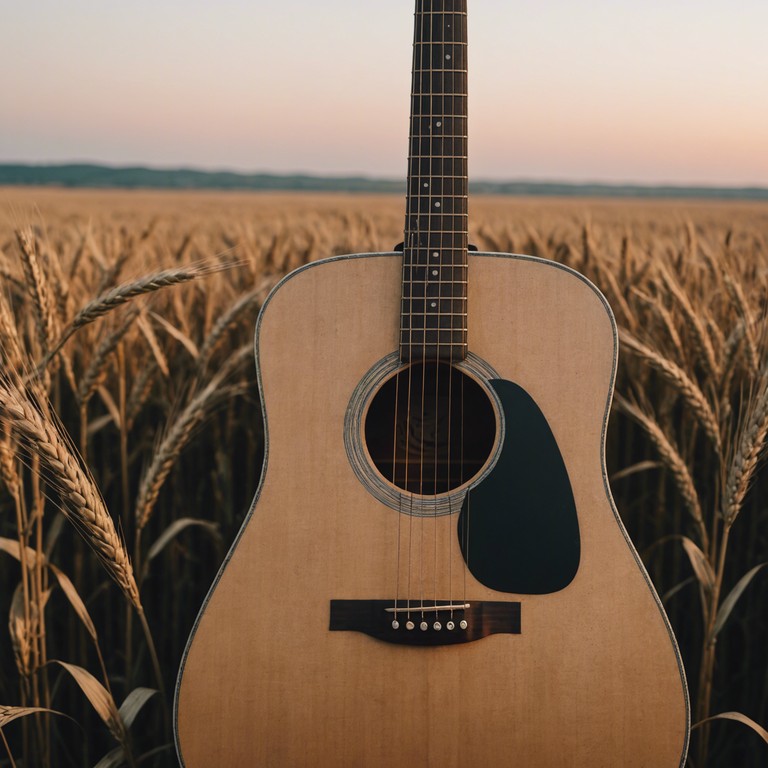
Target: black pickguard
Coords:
[(520, 522)]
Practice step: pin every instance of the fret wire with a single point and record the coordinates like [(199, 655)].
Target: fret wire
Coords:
[(436, 213), (443, 196), (432, 76), (433, 330)]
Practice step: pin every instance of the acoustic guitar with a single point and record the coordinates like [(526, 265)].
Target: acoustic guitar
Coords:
[(433, 572)]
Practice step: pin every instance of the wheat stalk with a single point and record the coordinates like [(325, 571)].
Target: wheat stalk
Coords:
[(229, 318), (140, 390), (178, 435), (742, 306), (123, 293), (80, 500), (751, 442), (96, 368), (10, 345), (672, 460), (702, 343), (8, 470), (681, 382), (38, 290), (657, 306)]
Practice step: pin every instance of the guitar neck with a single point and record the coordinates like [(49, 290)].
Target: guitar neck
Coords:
[(434, 298)]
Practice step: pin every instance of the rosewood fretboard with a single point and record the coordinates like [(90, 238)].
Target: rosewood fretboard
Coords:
[(434, 304)]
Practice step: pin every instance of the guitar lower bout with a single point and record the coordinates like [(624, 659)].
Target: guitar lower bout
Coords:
[(285, 651)]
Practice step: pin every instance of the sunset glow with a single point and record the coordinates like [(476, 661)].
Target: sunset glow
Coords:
[(609, 91)]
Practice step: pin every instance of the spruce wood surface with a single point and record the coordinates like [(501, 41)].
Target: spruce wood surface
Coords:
[(594, 678)]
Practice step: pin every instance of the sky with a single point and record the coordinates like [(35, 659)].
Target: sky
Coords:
[(650, 91)]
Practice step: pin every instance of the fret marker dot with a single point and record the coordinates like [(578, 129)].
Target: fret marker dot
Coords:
[(433, 304), (434, 271), (425, 185), (435, 255), (437, 205), (448, 56), (439, 123)]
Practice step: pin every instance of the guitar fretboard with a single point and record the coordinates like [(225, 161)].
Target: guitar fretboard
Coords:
[(434, 298)]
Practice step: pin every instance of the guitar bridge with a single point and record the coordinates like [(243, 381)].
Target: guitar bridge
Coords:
[(437, 622)]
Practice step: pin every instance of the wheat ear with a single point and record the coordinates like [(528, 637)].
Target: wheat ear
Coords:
[(751, 443), (10, 346), (672, 460), (702, 343), (229, 318), (81, 502), (178, 435), (96, 368), (124, 292), (38, 290), (743, 308), (680, 380)]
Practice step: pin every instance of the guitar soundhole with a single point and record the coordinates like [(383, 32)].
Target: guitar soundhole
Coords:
[(430, 428)]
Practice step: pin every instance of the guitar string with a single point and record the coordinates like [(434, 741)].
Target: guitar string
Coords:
[(414, 385), (458, 65), (408, 253), (441, 261), (463, 35), (445, 46), (394, 480), (425, 249)]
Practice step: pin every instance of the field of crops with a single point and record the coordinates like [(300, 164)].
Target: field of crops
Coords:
[(130, 436)]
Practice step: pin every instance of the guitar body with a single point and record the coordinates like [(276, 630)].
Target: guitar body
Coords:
[(591, 675)]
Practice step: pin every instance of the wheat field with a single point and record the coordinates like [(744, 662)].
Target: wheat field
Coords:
[(131, 443)]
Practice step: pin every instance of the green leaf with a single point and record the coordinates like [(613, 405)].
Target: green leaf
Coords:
[(727, 605), (133, 703), (739, 718)]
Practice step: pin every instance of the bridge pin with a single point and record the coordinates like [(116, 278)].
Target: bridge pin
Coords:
[(437, 626), (450, 625), (409, 625), (423, 626), (395, 624), (463, 624)]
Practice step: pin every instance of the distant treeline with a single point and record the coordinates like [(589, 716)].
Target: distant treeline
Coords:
[(104, 176)]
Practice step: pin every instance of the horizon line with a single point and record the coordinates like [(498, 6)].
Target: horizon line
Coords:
[(371, 177)]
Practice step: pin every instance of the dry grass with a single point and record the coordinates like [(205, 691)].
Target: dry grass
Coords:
[(156, 388)]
